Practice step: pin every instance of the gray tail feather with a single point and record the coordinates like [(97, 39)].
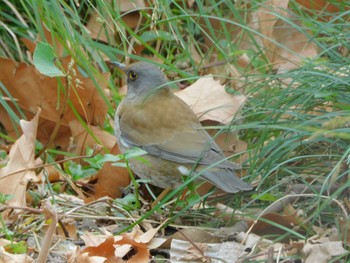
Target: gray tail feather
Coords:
[(226, 180)]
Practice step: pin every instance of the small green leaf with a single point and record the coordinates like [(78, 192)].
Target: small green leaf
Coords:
[(77, 171), (18, 248), (155, 35), (265, 197), (110, 158), (128, 202), (5, 197), (44, 60)]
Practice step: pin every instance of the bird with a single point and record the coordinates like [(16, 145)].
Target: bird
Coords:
[(153, 118)]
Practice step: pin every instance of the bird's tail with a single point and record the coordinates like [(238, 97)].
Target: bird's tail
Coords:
[(226, 180)]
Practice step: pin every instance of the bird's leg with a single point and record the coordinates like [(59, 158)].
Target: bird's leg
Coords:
[(160, 197)]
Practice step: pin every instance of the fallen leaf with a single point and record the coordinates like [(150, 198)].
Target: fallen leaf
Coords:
[(295, 48), (104, 249), (323, 9), (284, 44), (263, 228), (115, 249), (13, 258), (15, 176), (322, 252), (92, 240), (210, 101), (82, 139)]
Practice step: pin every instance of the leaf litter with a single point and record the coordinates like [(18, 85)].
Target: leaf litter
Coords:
[(210, 101)]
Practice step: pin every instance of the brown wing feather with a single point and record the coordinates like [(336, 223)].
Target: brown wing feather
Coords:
[(174, 132)]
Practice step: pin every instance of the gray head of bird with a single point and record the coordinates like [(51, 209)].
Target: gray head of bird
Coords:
[(142, 79)]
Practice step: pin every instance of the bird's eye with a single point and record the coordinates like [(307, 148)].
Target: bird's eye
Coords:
[(133, 75)]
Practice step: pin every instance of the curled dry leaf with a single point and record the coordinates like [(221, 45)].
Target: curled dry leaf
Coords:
[(210, 101), (115, 248), (19, 170)]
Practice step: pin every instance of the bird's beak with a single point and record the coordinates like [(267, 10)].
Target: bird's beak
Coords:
[(118, 64)]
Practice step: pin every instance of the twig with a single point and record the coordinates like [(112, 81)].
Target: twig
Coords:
[(50, 213), (24, 208), (103, 199)]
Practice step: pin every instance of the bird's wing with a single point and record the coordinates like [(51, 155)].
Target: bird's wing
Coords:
[(166, 127)]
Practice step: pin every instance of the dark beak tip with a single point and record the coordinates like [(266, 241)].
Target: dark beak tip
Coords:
[(118, 64)]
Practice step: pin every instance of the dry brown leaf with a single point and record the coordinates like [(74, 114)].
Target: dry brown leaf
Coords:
[(263, 228), (81, 139), (263, 21), (44, 132), (53, 174), (8, 124), (13, 258), (322, 7), (293, 45), (209, 100), (42, 91), (15, 176), (148, 235), (296, 46), (113, 249), (5, 256), (322, 252), (30, 45), (104, 249), (92, 240)]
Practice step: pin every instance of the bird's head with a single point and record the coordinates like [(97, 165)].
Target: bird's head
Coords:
[(142, 78)]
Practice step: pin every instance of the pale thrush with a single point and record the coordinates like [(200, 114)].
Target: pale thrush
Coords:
[(152, 118)]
